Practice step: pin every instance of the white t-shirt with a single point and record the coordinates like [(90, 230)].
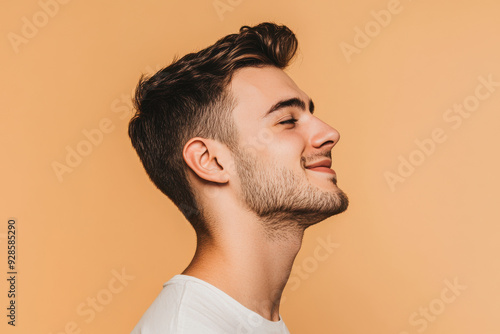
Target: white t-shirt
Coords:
[(189, 305)]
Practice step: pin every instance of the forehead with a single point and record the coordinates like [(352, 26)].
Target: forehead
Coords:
[(257, 89)]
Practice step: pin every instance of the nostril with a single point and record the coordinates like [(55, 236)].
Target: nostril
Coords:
[(329, 142)]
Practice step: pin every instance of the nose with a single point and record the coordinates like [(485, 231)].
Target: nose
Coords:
[(323, 136)]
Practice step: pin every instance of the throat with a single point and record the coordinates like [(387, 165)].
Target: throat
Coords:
[(251, 269)]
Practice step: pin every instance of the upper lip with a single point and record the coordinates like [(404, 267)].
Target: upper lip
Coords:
[(321, 163)]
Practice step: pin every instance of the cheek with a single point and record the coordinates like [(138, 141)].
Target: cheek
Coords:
[(291, 141), (287, 151), (273, 144), (255, 142)]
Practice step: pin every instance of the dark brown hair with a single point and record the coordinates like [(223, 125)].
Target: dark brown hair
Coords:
[(189, 98)]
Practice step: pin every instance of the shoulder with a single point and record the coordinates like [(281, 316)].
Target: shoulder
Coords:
[(186, 305)]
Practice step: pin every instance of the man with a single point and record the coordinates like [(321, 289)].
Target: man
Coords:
[(233, 142)]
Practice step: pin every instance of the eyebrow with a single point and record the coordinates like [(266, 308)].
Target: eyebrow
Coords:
[(293, 102)]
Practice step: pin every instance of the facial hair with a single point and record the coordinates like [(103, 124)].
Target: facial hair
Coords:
[(282, 198)]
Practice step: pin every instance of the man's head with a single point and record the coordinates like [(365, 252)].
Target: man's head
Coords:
[(220, 94)]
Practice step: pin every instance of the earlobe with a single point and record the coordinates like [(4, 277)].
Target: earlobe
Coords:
[(201, 155)]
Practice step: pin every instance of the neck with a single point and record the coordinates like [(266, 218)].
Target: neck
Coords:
[(248, 263)]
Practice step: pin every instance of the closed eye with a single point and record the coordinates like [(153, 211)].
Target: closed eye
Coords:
[(289, 121)]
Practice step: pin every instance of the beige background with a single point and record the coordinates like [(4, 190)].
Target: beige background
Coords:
[(395, 248)]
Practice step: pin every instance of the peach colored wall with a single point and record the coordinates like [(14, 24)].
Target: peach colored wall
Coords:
[(389, 75)]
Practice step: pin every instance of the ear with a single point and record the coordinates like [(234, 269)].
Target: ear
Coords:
[(205, 158)]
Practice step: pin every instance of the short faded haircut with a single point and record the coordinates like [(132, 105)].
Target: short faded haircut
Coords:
[(190, 98)]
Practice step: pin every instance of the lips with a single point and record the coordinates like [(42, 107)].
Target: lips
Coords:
[(322, 163), (322, 166)]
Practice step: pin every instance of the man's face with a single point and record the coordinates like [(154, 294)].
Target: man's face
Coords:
[(276, 155)]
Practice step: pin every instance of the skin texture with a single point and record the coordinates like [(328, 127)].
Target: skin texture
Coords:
[(259, 199)]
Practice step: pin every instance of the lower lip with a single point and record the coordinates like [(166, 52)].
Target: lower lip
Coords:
[(323, 169)]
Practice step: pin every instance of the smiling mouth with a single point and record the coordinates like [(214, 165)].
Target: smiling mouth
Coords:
[(322, 169), (323, 166)]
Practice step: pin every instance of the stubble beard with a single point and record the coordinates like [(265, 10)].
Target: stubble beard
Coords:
[(282, 199)]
